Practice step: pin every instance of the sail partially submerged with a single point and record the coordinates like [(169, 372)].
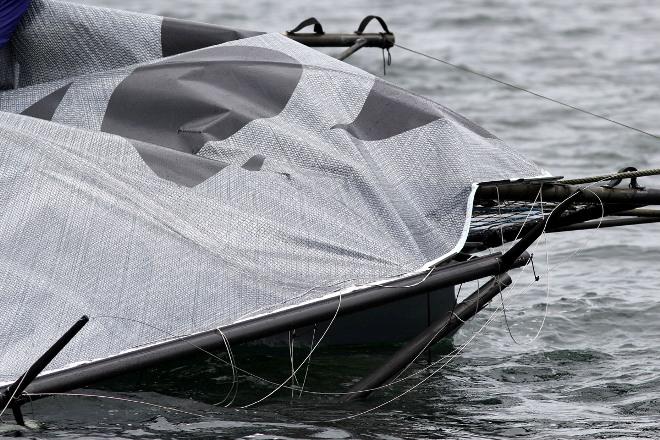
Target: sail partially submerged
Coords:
[(166, 188)]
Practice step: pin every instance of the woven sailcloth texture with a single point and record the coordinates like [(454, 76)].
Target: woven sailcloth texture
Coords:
[(168, 195)]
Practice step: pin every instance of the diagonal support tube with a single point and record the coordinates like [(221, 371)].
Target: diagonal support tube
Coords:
[(359, 44), (14, 390), (439, 329)]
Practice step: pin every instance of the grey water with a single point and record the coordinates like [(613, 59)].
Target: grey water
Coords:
[(593, 371)]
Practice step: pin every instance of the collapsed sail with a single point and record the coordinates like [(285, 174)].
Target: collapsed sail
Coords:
[(165, 188)]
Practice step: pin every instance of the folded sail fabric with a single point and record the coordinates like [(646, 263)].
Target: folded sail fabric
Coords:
[(165, 188)]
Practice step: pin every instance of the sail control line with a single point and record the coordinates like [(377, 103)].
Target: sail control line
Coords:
[(448, 324), (12, 397)]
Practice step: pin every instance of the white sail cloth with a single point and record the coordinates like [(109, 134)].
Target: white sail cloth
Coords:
[(168, 196)]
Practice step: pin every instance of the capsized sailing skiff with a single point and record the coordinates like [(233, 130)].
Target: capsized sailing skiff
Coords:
[(184, 185)]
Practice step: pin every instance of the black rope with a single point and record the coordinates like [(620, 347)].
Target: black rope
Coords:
[(623, 175), (536, 277), (522, 89), (365, 21), (311, 21), (386, 62)]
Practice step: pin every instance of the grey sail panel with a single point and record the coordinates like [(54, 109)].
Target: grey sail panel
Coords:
[(185, 101), (179, 36), (189, 192)]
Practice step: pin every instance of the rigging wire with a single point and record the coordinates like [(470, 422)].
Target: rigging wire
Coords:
[(309, 361), (623, 175), (311, 351), (522, 89), (234, 383), (2, 412), (256, 376), (458, 351), (172, 409), (548, 268), (454, 353), (294, 377), (539, 196), (451, 356)]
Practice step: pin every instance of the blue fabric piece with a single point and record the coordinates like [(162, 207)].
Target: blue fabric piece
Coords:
[(11, 12)]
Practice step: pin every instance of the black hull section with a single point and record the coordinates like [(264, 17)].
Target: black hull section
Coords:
[(385, 324)]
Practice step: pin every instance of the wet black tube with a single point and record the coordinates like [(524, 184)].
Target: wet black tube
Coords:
[(437, 330), (268, 325)]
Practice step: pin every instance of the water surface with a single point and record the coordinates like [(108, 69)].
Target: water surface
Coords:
[(594, 370)]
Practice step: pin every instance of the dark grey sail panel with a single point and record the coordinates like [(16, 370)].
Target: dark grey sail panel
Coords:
[(185, 101), (45, 107), (389, 111), (179, 36)]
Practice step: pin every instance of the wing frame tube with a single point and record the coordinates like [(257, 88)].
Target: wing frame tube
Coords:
[(267, 325)]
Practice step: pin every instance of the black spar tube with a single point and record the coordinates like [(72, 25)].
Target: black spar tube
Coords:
[(16, 389), (257, 328), (380, 40), (557, 192)]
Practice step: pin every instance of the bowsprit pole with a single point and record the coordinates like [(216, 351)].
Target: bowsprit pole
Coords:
[(9, 398)]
